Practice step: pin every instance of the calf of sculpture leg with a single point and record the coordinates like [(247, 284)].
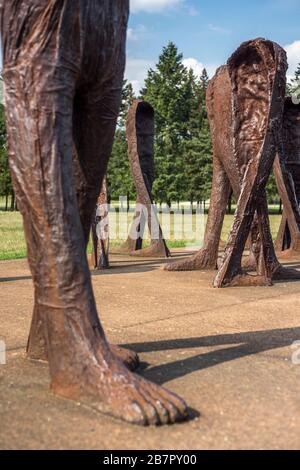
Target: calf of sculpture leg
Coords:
[(140, 137), (100, 231), (85, 188), (225, 174), (283, 240), (92, 151), (207, 257)]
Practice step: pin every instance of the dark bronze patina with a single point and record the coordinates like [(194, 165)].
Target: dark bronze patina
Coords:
[(63, 71), (245, 106), (100, 231), (140, 138), (258, 78)]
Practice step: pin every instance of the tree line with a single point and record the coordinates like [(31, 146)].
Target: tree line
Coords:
[(183, 147)]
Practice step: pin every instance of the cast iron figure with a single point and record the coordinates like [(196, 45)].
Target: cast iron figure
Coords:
[(63, 71), (240, 113), (100, 231), (140, 137), (258, 79)]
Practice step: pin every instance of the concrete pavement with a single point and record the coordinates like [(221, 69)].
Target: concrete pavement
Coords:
[(227, 352)]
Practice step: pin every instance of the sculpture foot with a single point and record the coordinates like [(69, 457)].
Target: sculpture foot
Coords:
[(104, 267), (244, 280), (107, 386), (285, 274), (153, 251), (129, 358), (287, 254), (199, 262), (121, 250), (249, 263)]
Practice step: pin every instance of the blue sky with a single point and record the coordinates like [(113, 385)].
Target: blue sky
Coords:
[(207, 32)]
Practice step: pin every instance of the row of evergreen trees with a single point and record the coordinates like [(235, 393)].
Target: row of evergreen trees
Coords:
[(182, 142), (6, 188), (183, 150)]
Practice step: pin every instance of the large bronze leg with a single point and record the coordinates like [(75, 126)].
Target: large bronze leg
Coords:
[(36, 345), (140, 137), (207, 257), (225, 173), (41, 75), (291, 214), (93, 130), (100, 232), (262, 139)]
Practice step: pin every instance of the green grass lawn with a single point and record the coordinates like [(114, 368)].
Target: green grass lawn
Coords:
[(12, 243)]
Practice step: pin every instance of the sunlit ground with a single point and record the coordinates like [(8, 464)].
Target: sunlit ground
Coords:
[(180, 231)]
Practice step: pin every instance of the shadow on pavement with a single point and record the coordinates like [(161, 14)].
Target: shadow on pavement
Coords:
[(244, 344)]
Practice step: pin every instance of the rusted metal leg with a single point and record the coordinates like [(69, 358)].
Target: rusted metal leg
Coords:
[(225, 172), (231, 272), (207, 257), (255, 150), (44, 71), (140, 137), (282, 242), (287, 172), (287, 193), (100, 231)]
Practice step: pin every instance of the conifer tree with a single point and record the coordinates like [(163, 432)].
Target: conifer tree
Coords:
[(119, 177), (168, 89)]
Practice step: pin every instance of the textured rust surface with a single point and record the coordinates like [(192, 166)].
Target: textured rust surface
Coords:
[(225, 172), (63, 71), (140, 137), (258, 78), (100, 231), (289, 231), (245, 107)]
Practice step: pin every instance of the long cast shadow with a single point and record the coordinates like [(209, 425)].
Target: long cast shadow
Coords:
[(245, 344), (16, 278)]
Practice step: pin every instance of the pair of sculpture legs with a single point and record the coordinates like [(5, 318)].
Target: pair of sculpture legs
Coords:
[(259, 240), (62, 91), (245, 144)]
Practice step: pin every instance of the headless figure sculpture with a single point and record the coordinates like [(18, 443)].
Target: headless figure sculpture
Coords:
[(100, 231), (140, 138), (63, 72), (288, 239), (240, 112)]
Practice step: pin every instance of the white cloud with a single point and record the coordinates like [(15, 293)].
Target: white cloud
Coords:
[(136, 72), (153, 6), (192, 11), (293, 53), (218, 29), (197, 67), (131, 35), (135, 34)]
